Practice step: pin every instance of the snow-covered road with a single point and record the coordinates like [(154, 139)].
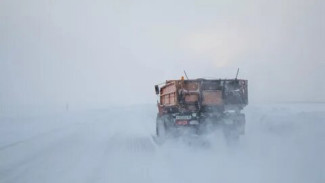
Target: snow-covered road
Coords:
[(283, 143)]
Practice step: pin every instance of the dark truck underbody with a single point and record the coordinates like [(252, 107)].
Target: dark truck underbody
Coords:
[(201, 106)]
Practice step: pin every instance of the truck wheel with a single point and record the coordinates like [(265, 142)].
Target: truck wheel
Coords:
[(231, 135), (160, 127), (241, 123)]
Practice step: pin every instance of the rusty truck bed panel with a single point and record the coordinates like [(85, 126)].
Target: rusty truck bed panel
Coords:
[(190, 86), (204, 92), (168, 94), (212, 97)]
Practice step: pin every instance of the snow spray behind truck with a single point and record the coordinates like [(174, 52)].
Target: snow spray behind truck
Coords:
[(201, 105)]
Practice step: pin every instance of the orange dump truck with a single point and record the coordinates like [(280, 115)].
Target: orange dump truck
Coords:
[(200, 105)]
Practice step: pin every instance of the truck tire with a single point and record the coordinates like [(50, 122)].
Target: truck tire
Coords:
[(231, 129), (160, 127), (231, 135), (241, 123)]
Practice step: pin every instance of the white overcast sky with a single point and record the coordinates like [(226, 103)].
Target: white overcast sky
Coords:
[(96, 53)]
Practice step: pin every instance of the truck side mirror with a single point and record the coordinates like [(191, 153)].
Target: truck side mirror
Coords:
[(157, 89)]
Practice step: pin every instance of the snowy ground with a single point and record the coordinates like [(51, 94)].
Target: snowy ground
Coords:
[(283, 143)]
